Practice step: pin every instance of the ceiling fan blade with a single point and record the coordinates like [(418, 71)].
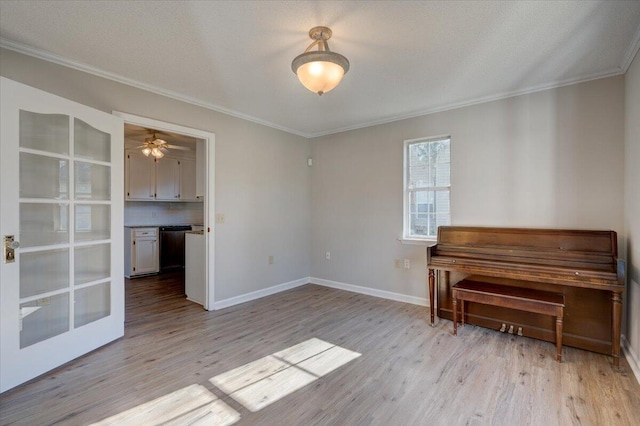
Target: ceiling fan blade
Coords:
[(180, 148)]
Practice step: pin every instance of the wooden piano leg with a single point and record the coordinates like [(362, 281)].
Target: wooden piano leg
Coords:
[(455, 316), (616, 322), (559, 337), (431, 294)]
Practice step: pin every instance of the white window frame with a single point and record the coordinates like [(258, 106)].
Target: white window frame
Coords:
[(407, 237)]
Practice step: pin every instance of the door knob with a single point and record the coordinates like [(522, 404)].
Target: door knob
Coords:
[(10, 245)]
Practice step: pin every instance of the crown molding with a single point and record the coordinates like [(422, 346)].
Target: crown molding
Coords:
[(476, 101), (631, 52), (60, 60), (50, 57)]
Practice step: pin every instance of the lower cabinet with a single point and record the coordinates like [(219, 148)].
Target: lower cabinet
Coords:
[(141, 251)]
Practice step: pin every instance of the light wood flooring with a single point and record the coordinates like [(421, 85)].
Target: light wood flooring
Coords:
[(407, 373)]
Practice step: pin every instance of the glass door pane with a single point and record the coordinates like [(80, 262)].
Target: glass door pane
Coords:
[(43, 177), (92, 303), (43, 318), (93, 181), (45, 132), (42, 272), (43, 224), (91, 143), (92, 263)]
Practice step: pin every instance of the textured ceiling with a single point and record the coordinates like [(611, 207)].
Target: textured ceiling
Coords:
[(407, 58)]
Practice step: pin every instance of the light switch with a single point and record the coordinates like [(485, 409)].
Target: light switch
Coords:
[(219, 218)]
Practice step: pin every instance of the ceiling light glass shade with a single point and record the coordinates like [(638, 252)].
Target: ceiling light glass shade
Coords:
[(322, 70), (146, 151), (156, 152)]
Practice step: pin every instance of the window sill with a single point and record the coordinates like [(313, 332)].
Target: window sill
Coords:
[(418, 242)]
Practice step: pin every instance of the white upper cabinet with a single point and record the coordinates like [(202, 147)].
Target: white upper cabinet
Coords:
[(168, 179), (201, 155), (140, 177), (188, 180)]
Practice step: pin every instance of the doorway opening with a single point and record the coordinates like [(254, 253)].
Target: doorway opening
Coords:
[(169, 203)]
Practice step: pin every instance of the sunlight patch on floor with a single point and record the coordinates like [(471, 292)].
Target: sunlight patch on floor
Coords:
[(193, 405), (266, 380)]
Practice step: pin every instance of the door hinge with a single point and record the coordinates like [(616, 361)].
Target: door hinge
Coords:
[(134, 242), (134, 269)]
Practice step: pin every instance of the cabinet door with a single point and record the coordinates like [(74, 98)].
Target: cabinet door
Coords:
[(145, 256), (188, 180), (140, 177), (201, 161), (167, 179)]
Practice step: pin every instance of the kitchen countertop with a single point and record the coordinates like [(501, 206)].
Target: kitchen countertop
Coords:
[(158, 226)]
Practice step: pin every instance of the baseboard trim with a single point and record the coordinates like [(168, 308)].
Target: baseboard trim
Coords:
[(421, 301), (248, 297), (632, 357)]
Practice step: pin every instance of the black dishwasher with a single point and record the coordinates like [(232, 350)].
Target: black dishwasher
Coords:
[(172, 247)]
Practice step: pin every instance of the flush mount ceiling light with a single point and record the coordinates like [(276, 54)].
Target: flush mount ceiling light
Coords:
[(320, 70)]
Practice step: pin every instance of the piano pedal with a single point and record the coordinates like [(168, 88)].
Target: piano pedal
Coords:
[(510, 329), (503, 328), (519, 331)]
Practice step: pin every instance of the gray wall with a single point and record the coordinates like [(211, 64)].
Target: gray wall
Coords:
[(548, 159), (632, 207), (262, 178)]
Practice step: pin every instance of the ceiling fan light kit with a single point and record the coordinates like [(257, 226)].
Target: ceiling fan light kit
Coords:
[(320, 70), (154, 146)]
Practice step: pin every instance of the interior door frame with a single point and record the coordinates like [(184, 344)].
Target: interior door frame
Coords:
[(209, 202)]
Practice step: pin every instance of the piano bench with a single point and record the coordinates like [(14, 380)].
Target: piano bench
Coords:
[(523, 299)]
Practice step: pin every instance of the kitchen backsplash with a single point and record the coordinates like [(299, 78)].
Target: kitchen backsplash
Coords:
[(157, 213)]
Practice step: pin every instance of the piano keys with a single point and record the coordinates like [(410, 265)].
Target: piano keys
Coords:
[(580, 264)]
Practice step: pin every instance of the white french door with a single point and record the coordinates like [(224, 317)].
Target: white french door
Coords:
[(61, 224)]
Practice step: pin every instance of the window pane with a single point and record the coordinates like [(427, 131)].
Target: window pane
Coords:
[(428, 210), (429, 164)]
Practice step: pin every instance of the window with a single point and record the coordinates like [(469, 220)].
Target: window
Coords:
[(427, 187)]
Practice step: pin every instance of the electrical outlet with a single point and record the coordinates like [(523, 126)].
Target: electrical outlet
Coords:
[(327, 255), (407, 264), (154, 214), (397, 263), (219, 218), (270, 260)]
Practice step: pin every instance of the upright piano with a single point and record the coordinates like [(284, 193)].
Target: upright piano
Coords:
[(580, 264)]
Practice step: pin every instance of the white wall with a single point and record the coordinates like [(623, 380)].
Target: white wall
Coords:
[(632, 209), (262, 178), (547, 159)]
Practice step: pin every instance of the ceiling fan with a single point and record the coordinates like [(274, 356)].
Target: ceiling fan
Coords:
[(157, 147)]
